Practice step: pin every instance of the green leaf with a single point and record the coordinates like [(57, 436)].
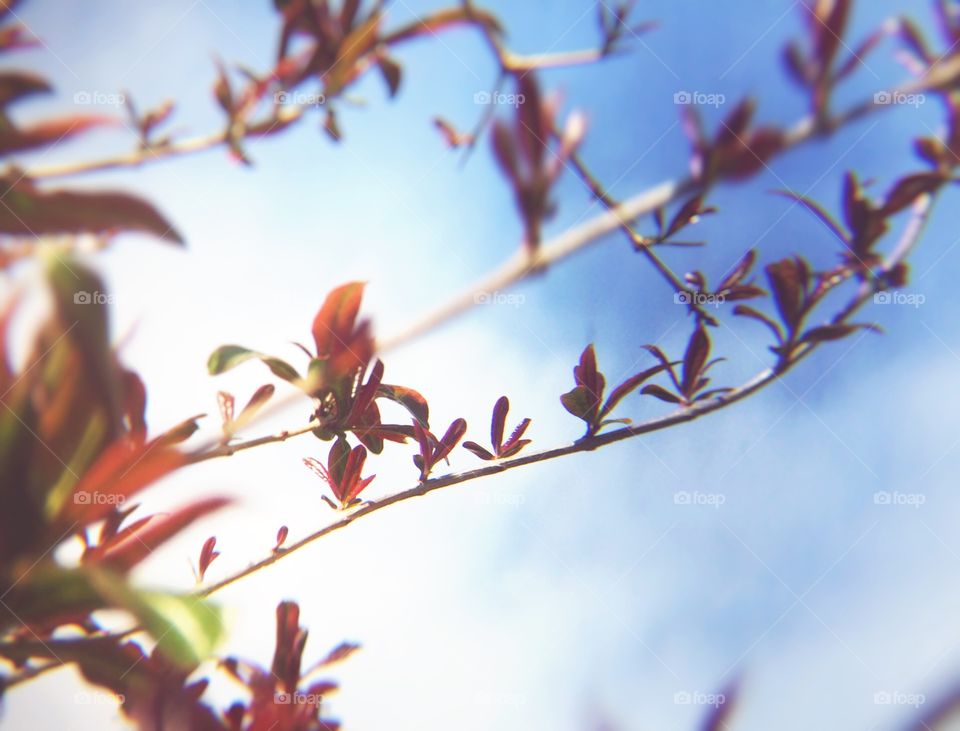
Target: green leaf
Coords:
[(579, 402), (49, 593), (227, 357), (187, 628), (80, 300)]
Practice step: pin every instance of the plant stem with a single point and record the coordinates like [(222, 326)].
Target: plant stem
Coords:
[(525, 264), (640, 243), (227, 450), (202, 143), (908, 240)]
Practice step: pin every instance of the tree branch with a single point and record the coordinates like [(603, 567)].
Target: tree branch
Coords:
[(908, 240), (525, 264), (227, 450), (285, 116)]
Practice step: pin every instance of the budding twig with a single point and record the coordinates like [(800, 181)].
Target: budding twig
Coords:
[(681, 416)]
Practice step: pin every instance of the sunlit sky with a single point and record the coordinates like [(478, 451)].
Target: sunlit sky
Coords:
[(571, 591)]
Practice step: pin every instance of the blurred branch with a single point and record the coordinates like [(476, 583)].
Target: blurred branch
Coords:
[(526, 264), (285, 116)]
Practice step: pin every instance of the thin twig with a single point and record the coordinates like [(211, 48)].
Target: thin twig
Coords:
[(227, 450), (908, 240), (524, 264), (202, 143), (640, 242)]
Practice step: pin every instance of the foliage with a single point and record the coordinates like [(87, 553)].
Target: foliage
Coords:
[(75, 398)]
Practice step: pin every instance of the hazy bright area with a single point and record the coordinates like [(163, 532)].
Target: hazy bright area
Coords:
[(816, 559)]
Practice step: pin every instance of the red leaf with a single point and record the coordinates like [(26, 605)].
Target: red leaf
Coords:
[(291, 639), (392, 74), (15, 85), (828, 22), (281, 538), (29, 211), (698, 350), (334, 323), (753, 154), (661, 393), (207, 555), (906, 190), (134, 404), (514, 448), (16, 36), (256, 402), (344, 344), (120, 471), (856, 208), (505, 152), (533, 124), (450, 439), (687, 214), (796, 65), (451, 135), (740, 271), (587, 375), (131, 547), (788, 279), (818, 211), (225, 402), (478, 451), (516, 434), (734, 127), (48, 132), (824, 333), (338, 654), (750, 312), (719, 718), (179, 433), (628, 387), (498, 422)]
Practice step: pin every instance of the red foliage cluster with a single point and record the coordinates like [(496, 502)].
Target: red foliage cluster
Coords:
[(525, 155), (501, 449)]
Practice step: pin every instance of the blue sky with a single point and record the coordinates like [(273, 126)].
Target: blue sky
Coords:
[(553, 595)]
